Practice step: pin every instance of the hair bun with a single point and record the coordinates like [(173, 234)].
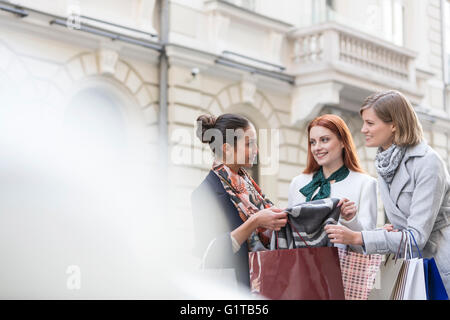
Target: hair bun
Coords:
[(205, 122)]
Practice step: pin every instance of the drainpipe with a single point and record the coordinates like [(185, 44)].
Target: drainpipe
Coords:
[(163, 107)]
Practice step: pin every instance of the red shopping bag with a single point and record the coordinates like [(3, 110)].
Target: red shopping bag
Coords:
[(297, 274)]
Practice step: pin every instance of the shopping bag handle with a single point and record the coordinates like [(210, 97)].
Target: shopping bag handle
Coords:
[(298, 234), (398, 252), (296, 231), (276, 236), (399, 246), (407, 246), (205, 254), (418, 250)]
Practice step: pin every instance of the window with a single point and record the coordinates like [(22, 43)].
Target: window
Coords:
[(398, 15), (320, 11), (382, 18), (94, 126)]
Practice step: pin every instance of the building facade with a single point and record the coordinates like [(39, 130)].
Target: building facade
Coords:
[(279, 63)]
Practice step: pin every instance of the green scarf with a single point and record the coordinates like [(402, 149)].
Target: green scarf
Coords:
[(324, 184)]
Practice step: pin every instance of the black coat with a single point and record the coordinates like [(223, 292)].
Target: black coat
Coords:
[(215, 217)]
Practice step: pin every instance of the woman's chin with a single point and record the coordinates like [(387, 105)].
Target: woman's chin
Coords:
[(320, 162), (369, 143)]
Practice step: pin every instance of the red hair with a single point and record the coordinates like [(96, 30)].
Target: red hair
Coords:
[(336, 125)]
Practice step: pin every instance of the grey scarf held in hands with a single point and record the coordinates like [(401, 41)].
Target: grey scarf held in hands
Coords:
[(308, 219), (387, 162)]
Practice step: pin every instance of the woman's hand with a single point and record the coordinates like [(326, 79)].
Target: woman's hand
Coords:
[(389, 228), (343, 235), (271, 218), (348, 209)]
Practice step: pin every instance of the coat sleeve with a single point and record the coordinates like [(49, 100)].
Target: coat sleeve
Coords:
[(366, 217), (430, 187)]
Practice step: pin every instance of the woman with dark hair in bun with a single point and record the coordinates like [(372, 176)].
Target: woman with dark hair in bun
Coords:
[(231, 214)]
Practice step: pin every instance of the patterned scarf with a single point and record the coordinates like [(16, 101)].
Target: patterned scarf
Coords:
[(246, 196), (387, 162), (319, 181)]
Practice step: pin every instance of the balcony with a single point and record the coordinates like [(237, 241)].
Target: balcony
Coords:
[(330, 60)]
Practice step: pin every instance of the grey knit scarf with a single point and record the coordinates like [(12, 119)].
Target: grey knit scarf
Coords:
[(387, 161)]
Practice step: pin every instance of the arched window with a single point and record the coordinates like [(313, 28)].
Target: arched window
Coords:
[(94, 124)]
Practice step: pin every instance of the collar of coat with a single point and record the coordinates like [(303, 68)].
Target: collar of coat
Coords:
[(402, 176), (416, 151)]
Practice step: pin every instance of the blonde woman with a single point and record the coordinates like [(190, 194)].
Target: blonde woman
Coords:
[(413, 180)]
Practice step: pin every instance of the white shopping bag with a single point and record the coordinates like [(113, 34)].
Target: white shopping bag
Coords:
[(415, 281), (411, 282)]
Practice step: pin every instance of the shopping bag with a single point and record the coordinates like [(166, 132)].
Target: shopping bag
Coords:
[(415, 281), (358, 273), (411, 284), (386, 278), (397, 293), (433, 281), (297, 274), (386, 281), (434, 286)]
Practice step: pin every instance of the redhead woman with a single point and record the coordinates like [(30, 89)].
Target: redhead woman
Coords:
[(231, 215), (413, 180), (333, 170)]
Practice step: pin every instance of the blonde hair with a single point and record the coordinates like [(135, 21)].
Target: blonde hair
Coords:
[(393, 107)]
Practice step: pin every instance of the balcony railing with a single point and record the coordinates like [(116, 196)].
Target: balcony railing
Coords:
[(374, 57), (343, 47)]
